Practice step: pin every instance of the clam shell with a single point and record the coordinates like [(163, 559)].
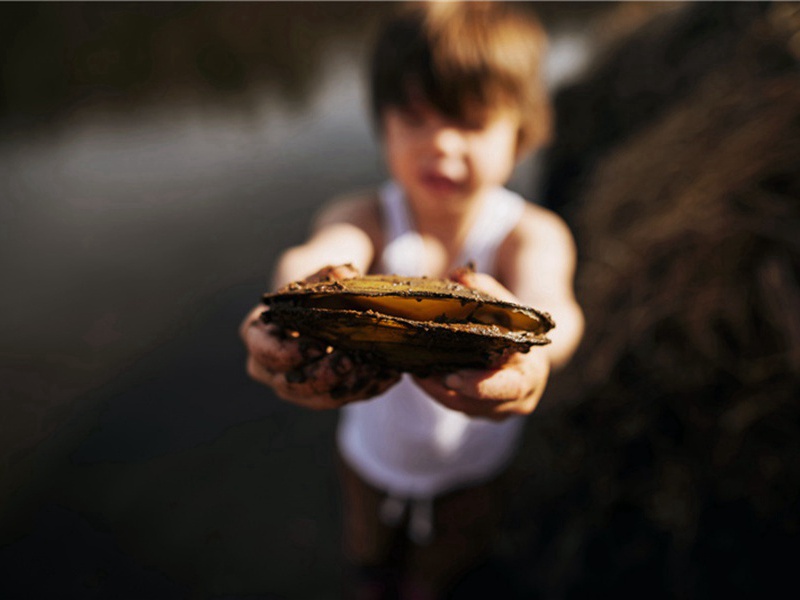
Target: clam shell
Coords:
[(415, 324)]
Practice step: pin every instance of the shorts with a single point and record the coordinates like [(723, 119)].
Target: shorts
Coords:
[(465, 524)]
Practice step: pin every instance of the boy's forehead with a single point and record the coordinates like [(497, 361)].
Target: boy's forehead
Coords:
[(415, 98), (465, 106)]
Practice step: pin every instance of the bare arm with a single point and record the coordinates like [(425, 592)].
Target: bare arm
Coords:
[(343, 232), (539, 268), (302, 370)]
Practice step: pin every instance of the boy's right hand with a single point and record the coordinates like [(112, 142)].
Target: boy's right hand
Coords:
[(306, 371)]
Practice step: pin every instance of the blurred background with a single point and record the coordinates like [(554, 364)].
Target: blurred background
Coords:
[(155, 158)]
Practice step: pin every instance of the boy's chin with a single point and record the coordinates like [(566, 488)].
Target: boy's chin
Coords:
[(442, 188)]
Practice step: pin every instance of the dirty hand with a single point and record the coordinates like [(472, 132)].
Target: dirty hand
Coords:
[(512, 387), (306, 371)]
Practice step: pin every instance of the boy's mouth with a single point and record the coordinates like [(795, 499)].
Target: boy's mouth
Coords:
[(440, 184)]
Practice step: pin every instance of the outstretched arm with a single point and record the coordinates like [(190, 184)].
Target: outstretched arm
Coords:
[(538, 266), (299, 369)]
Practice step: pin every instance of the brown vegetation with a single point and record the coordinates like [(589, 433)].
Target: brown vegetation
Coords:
[(672, 466)]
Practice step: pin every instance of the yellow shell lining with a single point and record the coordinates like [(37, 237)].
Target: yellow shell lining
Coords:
[(443, 310)]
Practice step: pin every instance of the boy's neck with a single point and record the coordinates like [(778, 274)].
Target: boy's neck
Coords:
[(448, 222)]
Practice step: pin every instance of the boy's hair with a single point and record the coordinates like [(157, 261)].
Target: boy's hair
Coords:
[(462, 57)]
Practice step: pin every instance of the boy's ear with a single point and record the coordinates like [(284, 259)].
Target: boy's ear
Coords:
[(526, 147), (532, 142)]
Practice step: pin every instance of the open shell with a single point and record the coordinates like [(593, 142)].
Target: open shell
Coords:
[(415, 324)]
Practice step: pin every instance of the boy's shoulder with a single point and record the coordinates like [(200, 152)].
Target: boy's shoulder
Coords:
[(359, 208), (541, 243), (541, 225), (540, 235)]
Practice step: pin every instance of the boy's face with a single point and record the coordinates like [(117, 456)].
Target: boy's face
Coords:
[(437, 158)]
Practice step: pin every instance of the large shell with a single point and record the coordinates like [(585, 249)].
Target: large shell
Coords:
[(415, 324)]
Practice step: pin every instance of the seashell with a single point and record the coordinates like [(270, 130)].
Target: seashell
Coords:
[(416, 324)]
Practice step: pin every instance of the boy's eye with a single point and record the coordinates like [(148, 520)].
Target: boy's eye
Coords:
[(471, 124), (411, 117), (472, 121)]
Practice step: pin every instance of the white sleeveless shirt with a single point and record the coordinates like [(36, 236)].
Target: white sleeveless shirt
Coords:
[(402, 441)]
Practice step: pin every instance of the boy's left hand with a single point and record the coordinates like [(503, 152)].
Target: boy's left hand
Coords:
[(513, 387)]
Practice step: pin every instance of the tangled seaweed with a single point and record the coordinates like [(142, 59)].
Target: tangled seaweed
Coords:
[(668, 464)]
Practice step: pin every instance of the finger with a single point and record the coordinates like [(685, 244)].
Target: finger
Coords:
[(488, 386), (255, 370), (288, 388), (252, 319), (452, 399), (327, 383), (344, 378), (477, 409), (346, 271), (496, 411), (273, 348), (501, 385), (482, 282), (302, 394), (516, 388), (276, 381)]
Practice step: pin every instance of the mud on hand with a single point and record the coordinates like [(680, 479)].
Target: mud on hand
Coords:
[(316, 373)]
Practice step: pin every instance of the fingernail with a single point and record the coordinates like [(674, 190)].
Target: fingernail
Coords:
[(453, 381)]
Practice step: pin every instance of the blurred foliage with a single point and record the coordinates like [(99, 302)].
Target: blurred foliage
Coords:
[(57, 55), (668, 463), (636, 82)]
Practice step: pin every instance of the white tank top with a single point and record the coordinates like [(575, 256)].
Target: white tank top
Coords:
[(403, 441)]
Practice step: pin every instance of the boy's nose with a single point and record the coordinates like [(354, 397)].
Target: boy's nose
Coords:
[(446, 140)]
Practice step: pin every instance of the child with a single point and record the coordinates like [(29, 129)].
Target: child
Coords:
[(458, 99)]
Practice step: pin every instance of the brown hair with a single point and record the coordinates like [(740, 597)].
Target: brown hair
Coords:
[(462, 57)]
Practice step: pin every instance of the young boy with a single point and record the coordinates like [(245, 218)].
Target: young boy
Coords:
[(458, 100)]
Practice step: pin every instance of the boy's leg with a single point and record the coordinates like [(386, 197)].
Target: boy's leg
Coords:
[(371, 548), (466, 523)]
